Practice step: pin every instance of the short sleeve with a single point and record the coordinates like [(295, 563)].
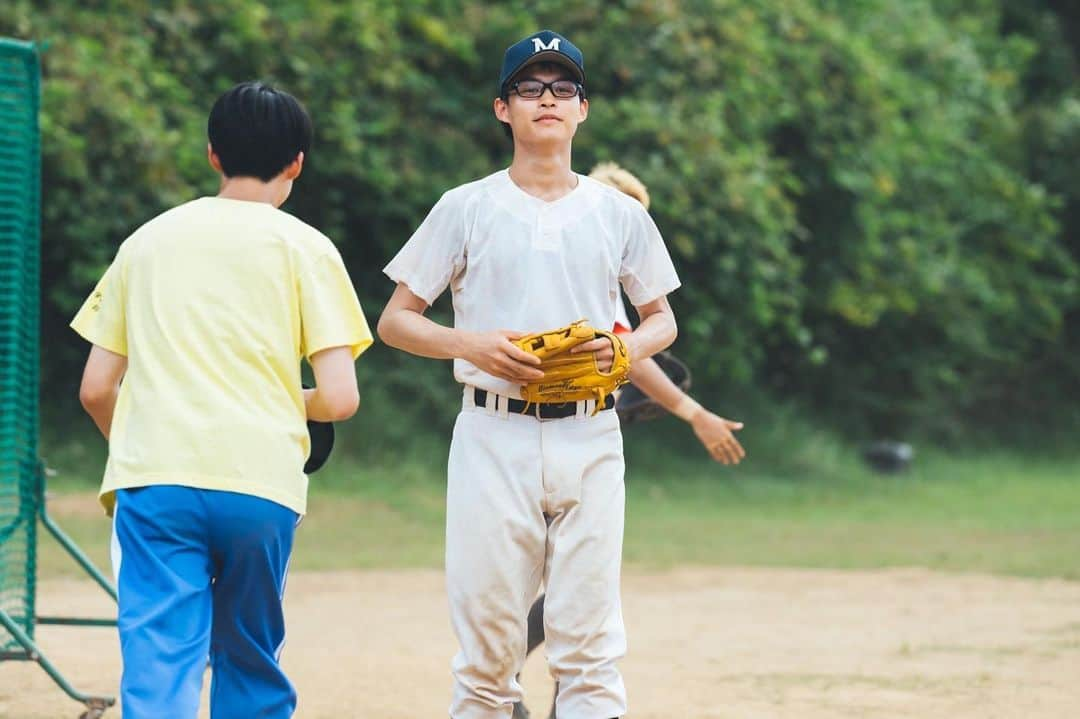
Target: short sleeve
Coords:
[(435, 253), (102, 319), (330, 313), (647, 272)]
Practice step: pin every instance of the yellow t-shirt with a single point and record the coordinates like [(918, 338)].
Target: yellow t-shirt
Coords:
[(214, 303)]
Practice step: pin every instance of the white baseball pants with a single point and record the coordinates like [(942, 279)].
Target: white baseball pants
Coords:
[(532, 500)]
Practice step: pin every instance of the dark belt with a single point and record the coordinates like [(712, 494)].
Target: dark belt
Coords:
[(547, 410)]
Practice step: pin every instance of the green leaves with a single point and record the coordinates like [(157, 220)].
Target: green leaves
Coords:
[(872, 205)]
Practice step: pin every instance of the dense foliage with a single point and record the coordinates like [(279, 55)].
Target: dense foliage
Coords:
[(873, 205)]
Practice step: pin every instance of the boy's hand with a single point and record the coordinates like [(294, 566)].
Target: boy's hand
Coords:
[(494, 353), (715, 433), (602, 348)]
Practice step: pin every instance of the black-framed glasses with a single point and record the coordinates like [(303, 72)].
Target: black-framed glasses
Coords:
[(532, 89)]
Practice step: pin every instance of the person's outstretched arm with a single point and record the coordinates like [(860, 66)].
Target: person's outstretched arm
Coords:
[(404, 326), (714, 432)]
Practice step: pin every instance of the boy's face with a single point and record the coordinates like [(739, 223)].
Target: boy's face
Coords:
[(546, 119)]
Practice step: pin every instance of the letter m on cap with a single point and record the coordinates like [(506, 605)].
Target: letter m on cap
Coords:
[(538, 44)]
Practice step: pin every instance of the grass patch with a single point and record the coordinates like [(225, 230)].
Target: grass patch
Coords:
[(802, 499), (815, 505)]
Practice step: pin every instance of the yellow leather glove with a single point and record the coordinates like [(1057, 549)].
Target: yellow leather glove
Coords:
[(572, 377)]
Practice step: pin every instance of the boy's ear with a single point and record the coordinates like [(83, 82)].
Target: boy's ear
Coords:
[(295, 167), (213, 159), (502, 110)]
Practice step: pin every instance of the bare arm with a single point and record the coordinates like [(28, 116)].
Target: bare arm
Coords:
[(335, 396), (656, 331), (648, 376), (100, 386), (404, 326), (714, 432)]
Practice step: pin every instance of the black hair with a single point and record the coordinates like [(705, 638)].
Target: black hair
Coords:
[(504, 91), (257, 130)]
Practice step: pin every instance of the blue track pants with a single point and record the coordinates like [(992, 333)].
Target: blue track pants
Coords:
[(200, 573)]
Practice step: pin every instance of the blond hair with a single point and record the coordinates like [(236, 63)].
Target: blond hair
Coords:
[(611, 174)]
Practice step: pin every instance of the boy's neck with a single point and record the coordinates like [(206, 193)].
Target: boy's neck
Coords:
[(251, 189), (545, 176)]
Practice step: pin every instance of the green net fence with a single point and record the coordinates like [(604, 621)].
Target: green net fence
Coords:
[(19, 296)]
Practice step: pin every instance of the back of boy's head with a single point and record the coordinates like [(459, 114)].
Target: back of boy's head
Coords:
[(611, 174), (257, 130)]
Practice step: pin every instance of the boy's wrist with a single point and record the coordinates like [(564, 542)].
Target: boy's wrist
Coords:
[(460, 344), (687, 409)]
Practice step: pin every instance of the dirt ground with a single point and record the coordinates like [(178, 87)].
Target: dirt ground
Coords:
[(704, 644)]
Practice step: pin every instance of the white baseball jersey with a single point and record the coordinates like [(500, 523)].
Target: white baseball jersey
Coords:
[(516, 262), (530, 500)]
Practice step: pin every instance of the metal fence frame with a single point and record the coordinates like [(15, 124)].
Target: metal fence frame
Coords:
[(22, 474)]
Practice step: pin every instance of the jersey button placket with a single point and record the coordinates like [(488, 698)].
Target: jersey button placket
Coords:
[(547, 233)]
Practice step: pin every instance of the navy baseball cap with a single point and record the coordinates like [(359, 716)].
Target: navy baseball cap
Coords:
[(543, 46)]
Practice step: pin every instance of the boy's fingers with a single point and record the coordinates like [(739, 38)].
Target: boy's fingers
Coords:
[(591, 346), (525, 372), (521, 356), (727, 451)]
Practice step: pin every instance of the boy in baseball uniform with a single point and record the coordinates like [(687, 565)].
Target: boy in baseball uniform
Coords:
[(535, 492), (198, 328)]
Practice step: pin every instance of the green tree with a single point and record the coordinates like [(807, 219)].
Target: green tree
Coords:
[(872, 205)]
